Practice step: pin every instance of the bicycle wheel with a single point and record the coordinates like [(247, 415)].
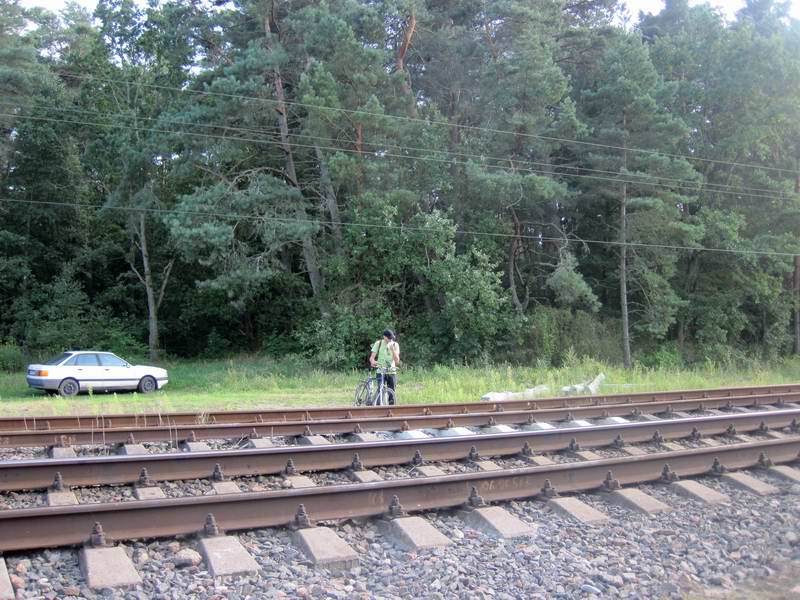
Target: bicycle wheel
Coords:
[(388, 396), (362, 393)]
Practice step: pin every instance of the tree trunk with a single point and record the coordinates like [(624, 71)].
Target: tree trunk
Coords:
[(520, 305), (400, 65), (329, 195), (147, 280), (623, 279), (623, 261), (309, 251), (797, 304)]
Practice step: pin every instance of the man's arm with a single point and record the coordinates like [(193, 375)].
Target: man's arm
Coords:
[(372, 360), (395, 348)]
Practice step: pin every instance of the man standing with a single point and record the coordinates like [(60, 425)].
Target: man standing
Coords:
[(386, 357)]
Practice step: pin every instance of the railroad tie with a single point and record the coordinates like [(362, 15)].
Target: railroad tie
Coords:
[(6, 590), (59, 494), (578, 510), (106, 566), (321, 544), (749, 483), (224, 554)]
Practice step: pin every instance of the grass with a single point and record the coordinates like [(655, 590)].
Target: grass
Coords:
[(253, 382)]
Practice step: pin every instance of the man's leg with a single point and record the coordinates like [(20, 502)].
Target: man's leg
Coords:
[(380, 379), (391, 381)]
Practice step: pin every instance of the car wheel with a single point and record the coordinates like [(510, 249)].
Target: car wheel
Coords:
[(68, 388), (147, 385)]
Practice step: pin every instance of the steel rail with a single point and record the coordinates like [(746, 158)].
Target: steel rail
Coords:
[(104, 422), (179, 433), (27, 529), (17, 475)]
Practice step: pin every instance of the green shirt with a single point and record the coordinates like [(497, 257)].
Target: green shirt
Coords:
[(384, 356)]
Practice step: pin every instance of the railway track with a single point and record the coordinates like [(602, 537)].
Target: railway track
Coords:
[(105, 430), (133, 420), (758, 431), (26, 529), (17, 475)]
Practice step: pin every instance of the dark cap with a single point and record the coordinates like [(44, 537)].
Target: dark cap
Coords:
[(389, 334)]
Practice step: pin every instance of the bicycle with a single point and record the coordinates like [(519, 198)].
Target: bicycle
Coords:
[(371, 393)]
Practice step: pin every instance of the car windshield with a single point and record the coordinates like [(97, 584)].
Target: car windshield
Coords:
[(59, 358)]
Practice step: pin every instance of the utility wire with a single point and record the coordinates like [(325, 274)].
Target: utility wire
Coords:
[(427, 122), (381, 154), (539, 238), (555, 168)]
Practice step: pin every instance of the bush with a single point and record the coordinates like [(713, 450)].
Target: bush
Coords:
[(11, 357), (666, 356)]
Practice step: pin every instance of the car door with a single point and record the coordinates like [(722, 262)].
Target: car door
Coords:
[(118, 374), (88, 372)]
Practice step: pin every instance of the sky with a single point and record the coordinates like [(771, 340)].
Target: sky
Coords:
[(729, 7)]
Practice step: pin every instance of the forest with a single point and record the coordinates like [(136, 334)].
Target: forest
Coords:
[(515, 180)]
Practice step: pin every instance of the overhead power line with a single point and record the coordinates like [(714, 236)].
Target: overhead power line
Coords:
[(383, 154), (429, 122), (225, 215), (552, 168)]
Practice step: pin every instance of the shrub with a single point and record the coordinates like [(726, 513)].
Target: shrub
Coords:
[(11, 357)]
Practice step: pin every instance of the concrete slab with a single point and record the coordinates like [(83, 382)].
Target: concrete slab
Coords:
[(775, 435), (361, 438), (572, 507), (672, 446), (587, 455), (710, 442), (326, 549), (742, 438), (740, 409), (538, 427), (61, 452), (413, 533), (750, 483), (195, 447), (539, 460), (714, 411), (428, 471), (679, 414), (412, 434), (487, 465), (312, 440), (300, 481), (698, 491), (613, 421), (573, 423), (647, 417), (131, 449), (259, 443), (365, 476), (148, 493), (639, 501), (225, 487), (497, 522), (108, 568), (225, 555), (65, 498), (498, 429), (633, 451), (784, 472), (454, 432), (6, 589)]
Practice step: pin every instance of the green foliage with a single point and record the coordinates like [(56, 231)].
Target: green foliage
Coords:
[(11, 356), (300, 190)]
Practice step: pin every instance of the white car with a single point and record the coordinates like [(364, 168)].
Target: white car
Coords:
[(84, 371)]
